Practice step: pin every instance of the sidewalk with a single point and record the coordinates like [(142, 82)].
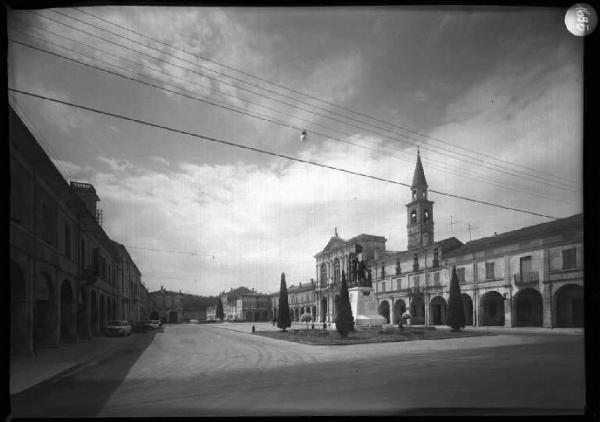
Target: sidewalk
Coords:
[(54, 362)]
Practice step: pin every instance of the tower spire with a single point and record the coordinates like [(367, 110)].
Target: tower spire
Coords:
[(419, 176)]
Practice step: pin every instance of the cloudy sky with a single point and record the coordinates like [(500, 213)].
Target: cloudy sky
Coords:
[(492, 97)]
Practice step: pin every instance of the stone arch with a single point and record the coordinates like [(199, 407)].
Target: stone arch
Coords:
[(173, 319), (18, 310), (94, 312), (292, 315), (384, 310), (399, 309), (265, 316), (154, 315), (257, 316), (492, 309), (568, 306), (417, 309), (437, 311), (468, 305), (44, 311), (323, 309), (67, 313), (528, 308)]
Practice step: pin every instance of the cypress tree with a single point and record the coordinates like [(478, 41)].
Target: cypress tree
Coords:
[(283, 313), (456, 308), (344, 323), (220, 313)]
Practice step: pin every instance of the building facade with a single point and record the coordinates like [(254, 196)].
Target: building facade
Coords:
[(527, 277), (166, 306), (64, 284)]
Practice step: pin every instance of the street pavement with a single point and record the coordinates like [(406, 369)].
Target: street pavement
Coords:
[(223, 370)]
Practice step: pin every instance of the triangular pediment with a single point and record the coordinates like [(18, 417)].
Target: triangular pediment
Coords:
[(334, 242)]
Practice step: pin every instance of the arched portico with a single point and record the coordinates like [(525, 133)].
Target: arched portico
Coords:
[(67, 313), (528, 308), (468, 306), (94, 313), (417, 309), (437, 314), (399, 309), (568, 305), (45, 312), (18, 310), (492, 309)]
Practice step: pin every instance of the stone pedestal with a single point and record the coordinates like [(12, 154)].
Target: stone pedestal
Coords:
[(364, 307)]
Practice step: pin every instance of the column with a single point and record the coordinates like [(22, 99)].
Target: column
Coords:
[(547, 305), (426, 299), (508, 304)]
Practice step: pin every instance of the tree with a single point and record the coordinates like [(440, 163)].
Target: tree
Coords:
[(456, 308), (220, 314), (344, 323), (306, 318), (283, 313)]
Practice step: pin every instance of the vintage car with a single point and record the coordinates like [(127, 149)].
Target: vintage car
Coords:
[(117, 328), (155, 323)]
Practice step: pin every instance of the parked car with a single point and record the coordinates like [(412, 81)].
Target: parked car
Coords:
[(194, 321), (118, 328), (155, 323)]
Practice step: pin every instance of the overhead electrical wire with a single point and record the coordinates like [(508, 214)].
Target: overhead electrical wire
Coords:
[(274, 154), (256, 115), (539, 179), (311, 96)]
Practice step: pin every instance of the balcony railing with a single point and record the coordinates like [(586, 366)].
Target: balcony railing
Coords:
[(526, 278)]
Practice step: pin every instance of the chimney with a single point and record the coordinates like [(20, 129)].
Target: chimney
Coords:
[(87, 193)]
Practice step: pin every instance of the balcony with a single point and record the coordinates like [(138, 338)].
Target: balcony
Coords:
[(526, 278)]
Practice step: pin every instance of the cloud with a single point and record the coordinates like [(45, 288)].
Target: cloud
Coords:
[(117, 164)]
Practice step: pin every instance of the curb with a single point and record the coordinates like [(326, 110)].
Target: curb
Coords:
[(71, 370)]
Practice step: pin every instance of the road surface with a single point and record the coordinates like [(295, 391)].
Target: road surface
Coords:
[(201, 370)]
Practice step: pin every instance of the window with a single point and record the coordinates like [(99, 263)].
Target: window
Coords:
[(413, 216), (436, 257), (414, 194), (569, 259), (426, 216), (436, 278), (383, 286), (423, 194), (525, 266), (398, 269), (67, 241), (416, 262), (489, 271), (460, 272), (382, 270)]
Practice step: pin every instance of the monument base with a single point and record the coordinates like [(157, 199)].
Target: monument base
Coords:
[(365, 308)]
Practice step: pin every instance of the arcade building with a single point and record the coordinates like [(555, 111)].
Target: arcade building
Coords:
[(532, 276)]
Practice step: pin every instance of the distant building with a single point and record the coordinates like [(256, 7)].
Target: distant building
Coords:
[(166, 305), (243, 304)]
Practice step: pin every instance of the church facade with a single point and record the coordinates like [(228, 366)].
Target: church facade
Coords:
[(532, 276)]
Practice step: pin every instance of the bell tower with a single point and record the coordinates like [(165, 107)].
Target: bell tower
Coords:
[(419, 211)]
